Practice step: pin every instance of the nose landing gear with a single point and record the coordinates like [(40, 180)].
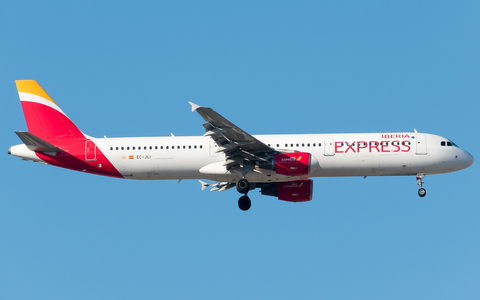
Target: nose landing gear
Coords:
[(421, 191), (243, 187)]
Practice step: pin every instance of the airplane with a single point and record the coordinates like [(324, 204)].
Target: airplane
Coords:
[(280, 165)]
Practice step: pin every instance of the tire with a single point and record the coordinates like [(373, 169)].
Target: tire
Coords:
[(422, 192), (243, 186), (244, 203)]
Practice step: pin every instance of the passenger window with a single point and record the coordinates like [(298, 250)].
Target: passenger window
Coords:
[(189, 147), (183, 146), (156, 147), (116, 148), (122, 148), (200, 146), (128, 148), (111, 148), (195, 146), (308, 145), (286, 145), (278, 145)]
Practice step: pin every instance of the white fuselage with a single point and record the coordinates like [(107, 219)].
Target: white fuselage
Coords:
[(368, 154)]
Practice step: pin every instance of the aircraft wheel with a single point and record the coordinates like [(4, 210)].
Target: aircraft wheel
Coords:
[(244, 203), (243, 186), (422, 192)]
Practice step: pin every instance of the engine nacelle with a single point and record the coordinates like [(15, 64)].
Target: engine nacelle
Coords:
[(290, 164), (293, 191)]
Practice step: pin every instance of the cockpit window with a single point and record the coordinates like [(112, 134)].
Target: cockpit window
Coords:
[(450, 143)]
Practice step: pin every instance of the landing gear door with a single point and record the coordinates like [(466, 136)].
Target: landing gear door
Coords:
[(421, 141), (328, 147)]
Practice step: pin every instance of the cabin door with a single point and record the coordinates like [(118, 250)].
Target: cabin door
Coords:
[(90, 150), (421, 144), (328, 147)]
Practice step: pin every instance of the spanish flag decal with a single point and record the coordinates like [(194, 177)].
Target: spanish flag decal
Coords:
[(130, 157)]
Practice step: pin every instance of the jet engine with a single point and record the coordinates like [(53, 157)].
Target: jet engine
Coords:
[(292, 191), (291, 164)]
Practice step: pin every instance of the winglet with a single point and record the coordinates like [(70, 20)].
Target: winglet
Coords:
[(194, 106), (204, 185)]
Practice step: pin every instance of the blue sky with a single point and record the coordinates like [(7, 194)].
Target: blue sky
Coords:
[(119, 68)]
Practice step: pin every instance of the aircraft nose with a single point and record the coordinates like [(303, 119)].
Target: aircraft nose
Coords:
[(468, 159)]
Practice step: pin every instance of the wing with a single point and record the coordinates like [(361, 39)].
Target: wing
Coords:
[(240, 148)]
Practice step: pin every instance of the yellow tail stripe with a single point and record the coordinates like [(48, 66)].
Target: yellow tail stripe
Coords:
[(32, 87)]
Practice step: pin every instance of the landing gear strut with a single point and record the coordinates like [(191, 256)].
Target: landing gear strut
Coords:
[(243, 187), (421, 191)]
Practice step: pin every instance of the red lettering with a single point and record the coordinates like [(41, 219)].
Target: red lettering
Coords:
[(373, 145), (338, 146), (350, 147), (384, 144), (406, 144), (361, 143), (396, 145)]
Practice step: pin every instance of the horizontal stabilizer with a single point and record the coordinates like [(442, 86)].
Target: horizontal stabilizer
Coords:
[(35, 143)]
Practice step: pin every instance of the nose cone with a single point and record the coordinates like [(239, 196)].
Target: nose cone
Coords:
[(468, 159)]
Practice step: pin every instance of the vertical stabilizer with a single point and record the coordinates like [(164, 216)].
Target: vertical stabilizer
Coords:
[(44, 117)]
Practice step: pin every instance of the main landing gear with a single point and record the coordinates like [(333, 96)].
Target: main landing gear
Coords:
[(243, 187), (421, 191)]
